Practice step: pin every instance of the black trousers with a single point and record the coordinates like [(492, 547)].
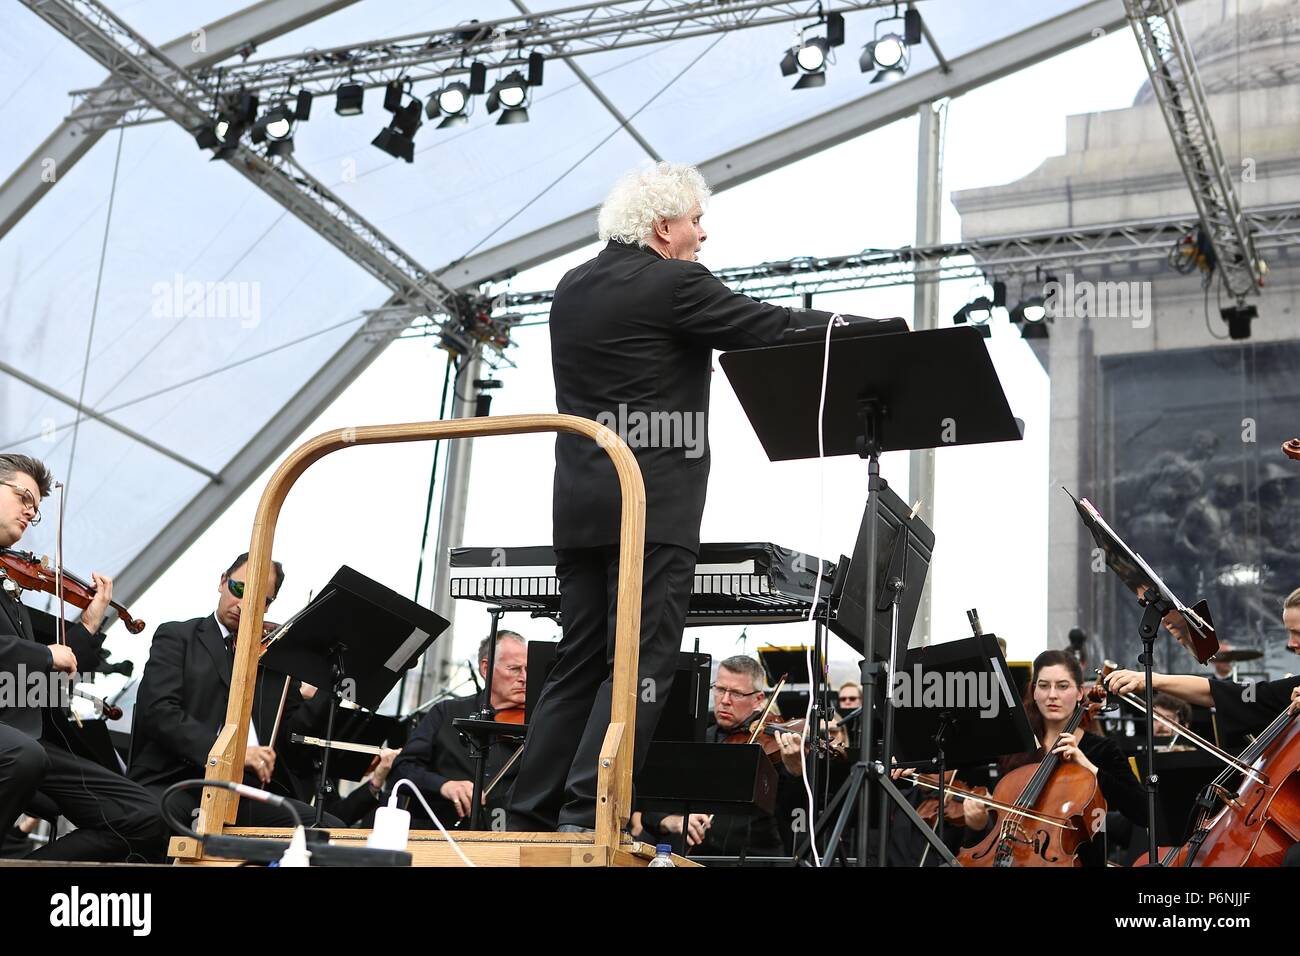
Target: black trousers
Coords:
[(557, 771), (116, 818)]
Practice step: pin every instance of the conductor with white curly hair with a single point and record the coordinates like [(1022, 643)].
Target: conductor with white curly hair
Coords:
[(632, 339)]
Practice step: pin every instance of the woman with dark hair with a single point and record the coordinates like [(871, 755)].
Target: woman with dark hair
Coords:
[(1054, 691)]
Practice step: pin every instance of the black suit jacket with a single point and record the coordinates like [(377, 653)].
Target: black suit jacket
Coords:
[(19, 646), (632, 336), (435, 753), (180, 706)]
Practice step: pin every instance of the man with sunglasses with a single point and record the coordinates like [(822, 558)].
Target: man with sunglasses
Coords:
[(738, 700), (181, 707), (115, 818)]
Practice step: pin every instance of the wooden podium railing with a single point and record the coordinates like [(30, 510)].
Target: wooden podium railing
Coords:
[(614, 789)]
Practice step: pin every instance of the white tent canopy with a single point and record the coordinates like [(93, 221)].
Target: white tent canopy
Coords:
[(182, 427)]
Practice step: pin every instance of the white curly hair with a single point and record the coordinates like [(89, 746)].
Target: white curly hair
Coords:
[(639, 198)]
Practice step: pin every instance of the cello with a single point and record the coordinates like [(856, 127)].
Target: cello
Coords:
[(1051, 789)]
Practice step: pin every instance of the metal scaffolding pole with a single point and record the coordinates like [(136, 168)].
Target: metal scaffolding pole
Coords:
[(925, 312), (435, 669)]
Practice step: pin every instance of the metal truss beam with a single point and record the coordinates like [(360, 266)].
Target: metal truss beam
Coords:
[(74, 137), (1001, 257), (156, 78), (568, 33), (1176, 85)]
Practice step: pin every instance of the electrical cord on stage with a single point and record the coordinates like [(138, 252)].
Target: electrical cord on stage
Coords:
[(392, 802), (808, 729), (240, 788), (296, 855)]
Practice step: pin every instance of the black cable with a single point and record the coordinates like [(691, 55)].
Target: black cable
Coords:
[(1208, 326), (244, 791), (90, 333)]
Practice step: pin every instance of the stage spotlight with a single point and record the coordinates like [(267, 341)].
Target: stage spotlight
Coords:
[(453, 103), (1031, 311), (453, 99), (275, 124), (349, 98), (302, 106), (890, 52), (976, 313), (510, 95), (398, 137), (206, 136), (395, 143), (810, 56), (280, 148), (1239, 318)]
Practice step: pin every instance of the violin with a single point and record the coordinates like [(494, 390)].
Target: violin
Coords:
[(1054, 807), (763, 732), (953, 814), (31, 573)]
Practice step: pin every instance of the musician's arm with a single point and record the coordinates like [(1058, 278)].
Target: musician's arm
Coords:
[(160, 701), (415, 762), (33, 657), (1188, 687)]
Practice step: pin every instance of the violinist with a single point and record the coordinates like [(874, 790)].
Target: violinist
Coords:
[(437, 759), (738, 700), (1054, 692), (1240, 708), (180, 707), (115, 818)]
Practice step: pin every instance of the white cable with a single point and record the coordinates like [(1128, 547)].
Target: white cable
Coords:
[(836, 319), (392, 802)]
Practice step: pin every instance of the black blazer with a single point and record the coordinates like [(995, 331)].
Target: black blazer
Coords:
[(180, 706), (632, 336), (435, 753), (19, 646)]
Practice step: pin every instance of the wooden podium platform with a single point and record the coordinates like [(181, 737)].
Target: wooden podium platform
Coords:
[(607, 846)]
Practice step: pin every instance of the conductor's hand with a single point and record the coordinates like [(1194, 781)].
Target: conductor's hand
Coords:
[(63, 658), (1126, 682), (260, 760), (460, 793), (700, 823)]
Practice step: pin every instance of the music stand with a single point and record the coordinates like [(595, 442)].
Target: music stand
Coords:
[(354, 639), (962, 731), (865, 395), (1157, 600)]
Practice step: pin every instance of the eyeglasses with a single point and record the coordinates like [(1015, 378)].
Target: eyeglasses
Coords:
[(29, 502), (236, 589), (733, 694), (850, 700)]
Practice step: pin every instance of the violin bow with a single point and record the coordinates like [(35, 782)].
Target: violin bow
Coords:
[(767, 711)]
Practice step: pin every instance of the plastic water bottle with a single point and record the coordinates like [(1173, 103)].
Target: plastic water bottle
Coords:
[(663, 855)]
